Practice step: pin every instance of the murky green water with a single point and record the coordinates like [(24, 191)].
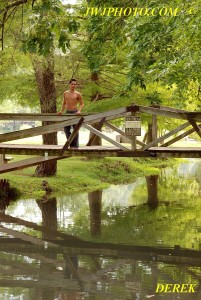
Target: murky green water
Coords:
[(119, 243)]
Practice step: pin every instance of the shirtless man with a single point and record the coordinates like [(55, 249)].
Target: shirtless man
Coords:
[(72, 104)]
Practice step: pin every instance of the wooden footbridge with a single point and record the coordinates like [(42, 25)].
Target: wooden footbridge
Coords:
[(156, 147)]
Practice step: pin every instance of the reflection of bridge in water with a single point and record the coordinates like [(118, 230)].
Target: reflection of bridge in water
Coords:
[(61, 243), (47, 250), (151, 146), (42, 258)]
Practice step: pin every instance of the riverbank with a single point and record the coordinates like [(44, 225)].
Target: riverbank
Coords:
[(76, 175)]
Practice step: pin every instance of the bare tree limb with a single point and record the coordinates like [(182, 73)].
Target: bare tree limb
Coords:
[(2, 30), (14, 4), (6, 15)]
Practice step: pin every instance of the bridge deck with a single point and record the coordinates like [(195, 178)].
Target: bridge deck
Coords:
[(55, 150), (47, 153), (103, 151)]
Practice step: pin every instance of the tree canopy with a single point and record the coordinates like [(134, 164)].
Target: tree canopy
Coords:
[(144, 52), (161, 47)]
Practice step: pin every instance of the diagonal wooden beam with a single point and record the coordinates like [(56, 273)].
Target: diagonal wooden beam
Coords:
[(113, 127), (103, 136), (20, 134), (72, 136), (121, 132), (163, 112), (165, 136), (99, 126), (179, 137), (25, 163), (25, 237), (173, 109), (43, 229), (195, 126), (170, 112)]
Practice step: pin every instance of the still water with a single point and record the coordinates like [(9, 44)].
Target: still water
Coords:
[(125, 242)]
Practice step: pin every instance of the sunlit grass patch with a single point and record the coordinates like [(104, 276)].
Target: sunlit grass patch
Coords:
[(78, 174)]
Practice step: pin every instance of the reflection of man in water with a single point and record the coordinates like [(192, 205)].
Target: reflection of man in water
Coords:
[(71, 272), (72, 104), (69, 296)]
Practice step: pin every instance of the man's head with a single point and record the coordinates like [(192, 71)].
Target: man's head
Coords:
[(72, 83)]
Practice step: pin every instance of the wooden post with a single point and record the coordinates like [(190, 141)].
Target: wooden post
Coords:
[(154, 128), (2, 159), (195, 126), (133, 138)]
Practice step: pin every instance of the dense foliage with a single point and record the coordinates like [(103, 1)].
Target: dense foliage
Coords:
[(150, 55)]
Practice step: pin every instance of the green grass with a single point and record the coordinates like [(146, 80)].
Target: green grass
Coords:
[(79, 174)]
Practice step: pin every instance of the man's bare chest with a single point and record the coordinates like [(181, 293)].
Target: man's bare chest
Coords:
[(71, 98)]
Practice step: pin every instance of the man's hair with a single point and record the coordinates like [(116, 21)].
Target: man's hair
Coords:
[(72, 79)]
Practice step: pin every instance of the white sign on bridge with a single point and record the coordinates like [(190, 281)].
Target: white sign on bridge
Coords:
[(133, 126)]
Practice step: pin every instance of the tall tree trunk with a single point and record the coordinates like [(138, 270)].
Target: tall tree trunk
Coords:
[(44, 73), (94, 78)]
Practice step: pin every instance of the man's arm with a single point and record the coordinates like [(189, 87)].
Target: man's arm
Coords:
[(63, 105), (81, 103)]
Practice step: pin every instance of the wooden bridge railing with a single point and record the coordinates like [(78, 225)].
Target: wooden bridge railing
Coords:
[(60, 121), (156, 147)]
